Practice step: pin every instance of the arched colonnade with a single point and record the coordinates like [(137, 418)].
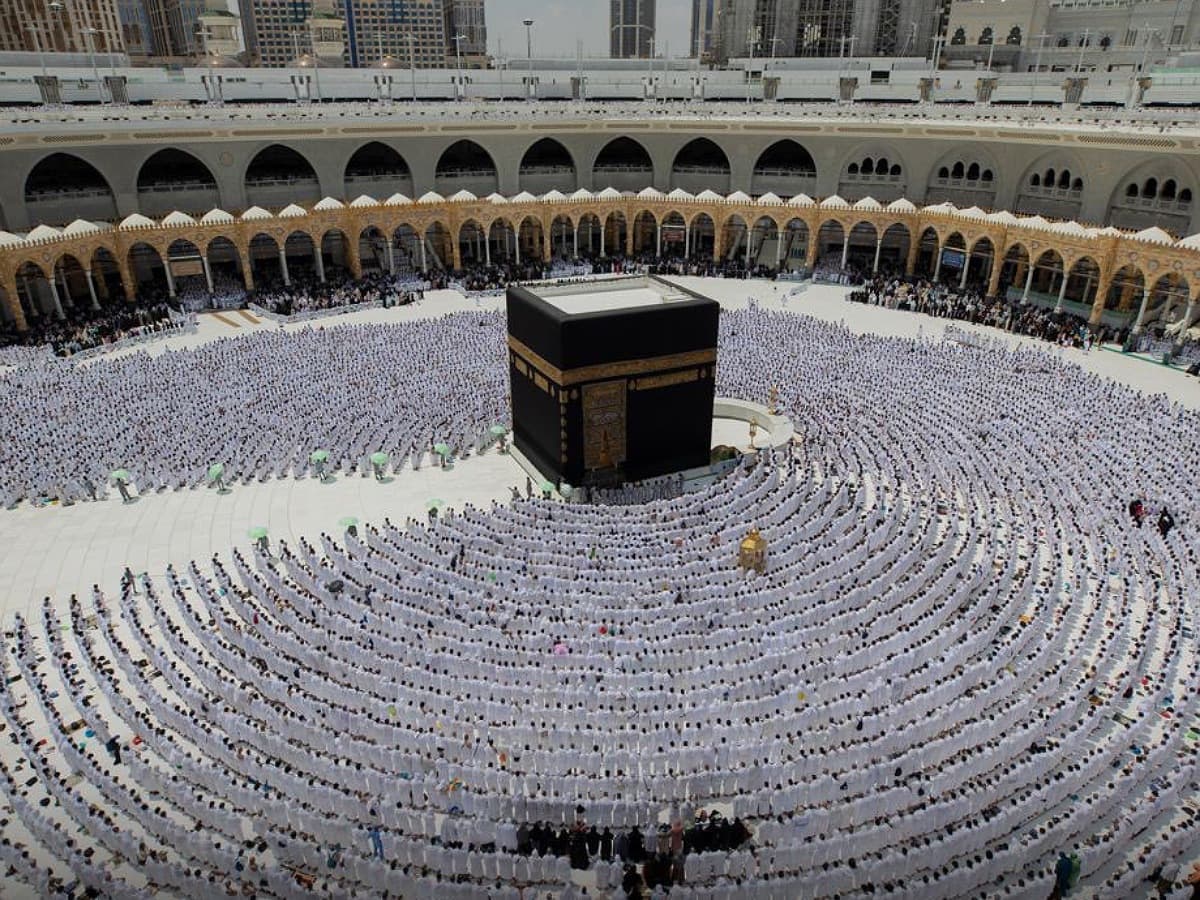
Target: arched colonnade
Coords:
[(89, 266)]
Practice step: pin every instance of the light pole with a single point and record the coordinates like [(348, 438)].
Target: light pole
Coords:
[(412, 63), (991, 50), (1037, 66), (90, 34), (528, 23), (37, 45), (460, 92)]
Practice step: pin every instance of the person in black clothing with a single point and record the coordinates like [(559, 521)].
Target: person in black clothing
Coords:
[(606, 844)]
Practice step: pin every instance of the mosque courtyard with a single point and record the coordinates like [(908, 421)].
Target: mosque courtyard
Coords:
[(962, 660)]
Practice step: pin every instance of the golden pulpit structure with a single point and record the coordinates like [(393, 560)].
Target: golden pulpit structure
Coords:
[(752, 552)]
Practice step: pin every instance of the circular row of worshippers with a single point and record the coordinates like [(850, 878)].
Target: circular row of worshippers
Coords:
[(938, 684)]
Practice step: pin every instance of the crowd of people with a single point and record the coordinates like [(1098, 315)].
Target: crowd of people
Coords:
[(87, 329), (940, 684), (308, 294)]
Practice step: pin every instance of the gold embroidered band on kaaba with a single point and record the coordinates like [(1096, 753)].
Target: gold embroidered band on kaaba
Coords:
[(602, 371)]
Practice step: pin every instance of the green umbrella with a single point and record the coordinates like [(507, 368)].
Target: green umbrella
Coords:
[(379, 458), (347, 522), (498, 430), (258, 532), (547, 486), (319, 456), (120, 475), (441, 449), (434, 503), (215, 471)]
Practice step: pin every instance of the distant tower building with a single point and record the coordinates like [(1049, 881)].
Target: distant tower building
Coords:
[(466, 18), (824, 28), (26, 25), (631, 25), (703, 19)]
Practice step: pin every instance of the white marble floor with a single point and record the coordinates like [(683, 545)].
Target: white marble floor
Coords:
[(55, 552)]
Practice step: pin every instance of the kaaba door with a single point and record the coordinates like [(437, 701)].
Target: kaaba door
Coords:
[(604, 424)]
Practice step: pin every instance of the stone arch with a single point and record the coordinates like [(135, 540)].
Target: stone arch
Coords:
[(764, 244), (278, 175), (1083, 280), (1169, 292), (929, 247), (1125, 290), (894, 246), (589, 230), (337, 253), (547, 165), (70, 277), (373, 253), (623, 163), (562, 237), (472, 244), (502, 238), (35, 292), (106, 275), (439, 246), (1014, 268), (735, 239), (61, 187), (860, 245), (795, 245), (966, 176), (1049, 269), (644, 232), (831, 240), (264, 261), (186, 267), (171, 179), (616, 233), (466, 166), (1052, 186), (225, 264), (1158, 192), (701, 236), (873, 170), (531, 239), (148, 271), (378, 170), (699, 165), (786, 168)]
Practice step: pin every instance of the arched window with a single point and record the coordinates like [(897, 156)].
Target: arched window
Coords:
[(1077, 185), (1036, 180), (1048, 178), (985, 37), (1185, 196), (1150, 188), (957, 171), (895, 171), (1064, 179), (852, 169), (943, 172), (881, 167), (1168, 189), (960, 37), (868, 166), (1014, 37), (973, 172), (1131, 191), (987, 175)]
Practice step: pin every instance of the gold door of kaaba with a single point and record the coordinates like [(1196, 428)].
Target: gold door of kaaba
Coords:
[(604, 426)]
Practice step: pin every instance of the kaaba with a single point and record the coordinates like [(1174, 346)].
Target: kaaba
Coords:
[(612, 380)]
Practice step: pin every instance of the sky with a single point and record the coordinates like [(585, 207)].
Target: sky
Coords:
[(560, 24)]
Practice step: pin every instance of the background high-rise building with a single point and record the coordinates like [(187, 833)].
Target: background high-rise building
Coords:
[(764, 28), (631, 23), (703, 19), (401, 32), (79, 26)]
